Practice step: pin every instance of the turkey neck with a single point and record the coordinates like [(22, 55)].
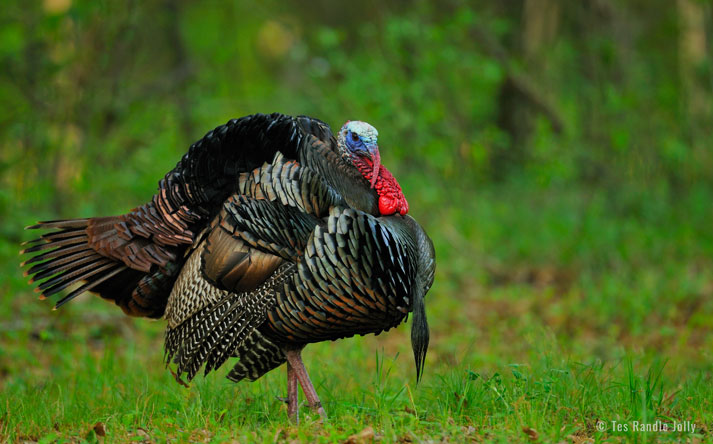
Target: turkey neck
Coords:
[(341, 175)]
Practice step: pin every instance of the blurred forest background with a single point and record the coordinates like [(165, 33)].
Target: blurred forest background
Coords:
[(559, 153)]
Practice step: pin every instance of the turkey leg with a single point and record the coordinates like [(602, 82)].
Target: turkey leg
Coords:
[(294, 361), (292, 395)]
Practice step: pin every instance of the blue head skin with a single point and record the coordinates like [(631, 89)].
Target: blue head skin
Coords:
[(357, 142)]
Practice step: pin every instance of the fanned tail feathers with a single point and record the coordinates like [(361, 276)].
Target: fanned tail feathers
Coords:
[(66, 258)]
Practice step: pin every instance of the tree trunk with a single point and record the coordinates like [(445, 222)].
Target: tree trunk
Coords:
[(518, 106), (691, 55)]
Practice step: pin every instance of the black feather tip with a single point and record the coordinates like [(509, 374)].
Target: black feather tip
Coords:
[(419, 334)]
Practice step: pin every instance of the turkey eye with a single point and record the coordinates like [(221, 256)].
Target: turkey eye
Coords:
[(355, 138)]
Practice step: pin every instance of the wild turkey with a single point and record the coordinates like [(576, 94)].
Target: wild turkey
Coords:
[(269, 234)]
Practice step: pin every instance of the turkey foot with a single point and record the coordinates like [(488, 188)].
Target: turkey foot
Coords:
[(296, 371)]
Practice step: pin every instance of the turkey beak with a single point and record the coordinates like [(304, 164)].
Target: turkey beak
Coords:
[(376, 160)]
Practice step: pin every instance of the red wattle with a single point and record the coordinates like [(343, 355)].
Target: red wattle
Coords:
[(391, 198), (386, 205)]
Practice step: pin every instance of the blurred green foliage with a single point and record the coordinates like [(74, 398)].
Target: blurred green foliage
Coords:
[(101, 99), (94, 93), (559, 153)]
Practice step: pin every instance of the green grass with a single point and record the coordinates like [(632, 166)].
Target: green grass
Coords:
[(550, 312)]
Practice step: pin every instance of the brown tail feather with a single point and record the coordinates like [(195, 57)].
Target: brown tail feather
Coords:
[(72, 275), (62, 264), (54, 264), (63, 242), (54, 236), (90, 285), (64, 223)]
